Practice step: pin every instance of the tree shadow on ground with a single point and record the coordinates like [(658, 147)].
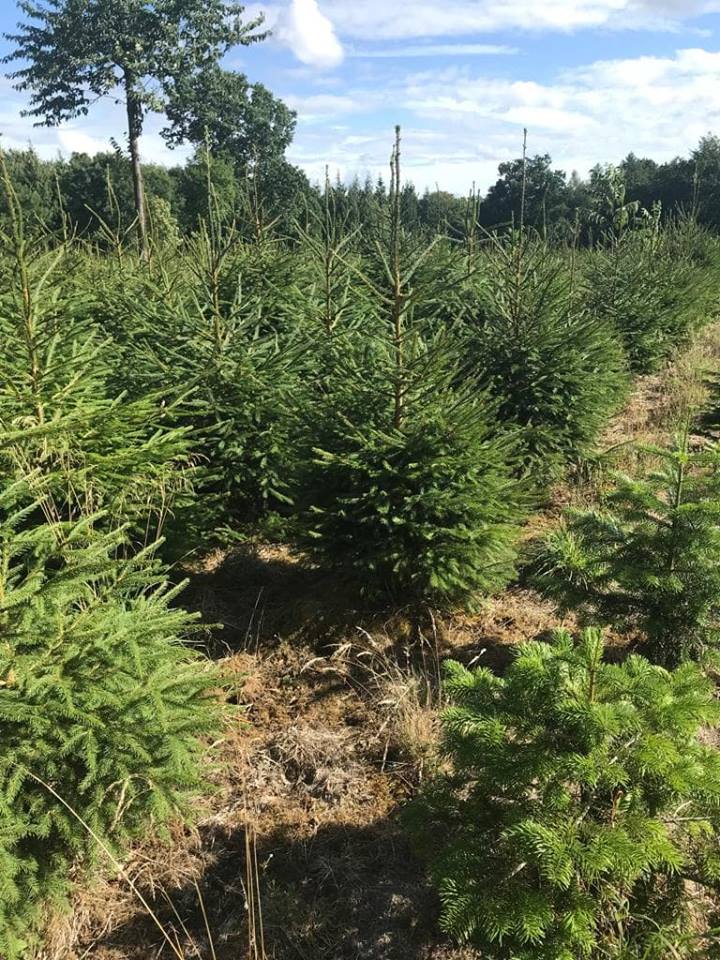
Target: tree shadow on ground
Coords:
[(259, 595), (708, 422), (344, 893)]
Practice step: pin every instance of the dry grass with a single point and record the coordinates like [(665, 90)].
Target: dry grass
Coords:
[(403, 690), (656, 412), (322, 763), (298, 843), (679, 394)]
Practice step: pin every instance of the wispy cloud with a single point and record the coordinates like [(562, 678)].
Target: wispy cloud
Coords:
[(411, 19), (669, 95), (406, 20), (325, 106), (462, 122), (436, 50)]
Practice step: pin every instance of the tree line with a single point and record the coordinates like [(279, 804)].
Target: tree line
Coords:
[(161, 57), (252, 180)]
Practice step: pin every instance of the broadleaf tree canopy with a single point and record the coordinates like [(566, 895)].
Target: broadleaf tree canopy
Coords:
[(75, 52)]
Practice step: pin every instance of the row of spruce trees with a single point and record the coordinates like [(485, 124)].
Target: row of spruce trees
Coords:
[(392, 405), (576, 810)]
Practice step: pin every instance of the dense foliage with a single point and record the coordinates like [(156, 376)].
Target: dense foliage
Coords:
[(644, 284), (426, 511), (101, 706), (249, 131), (410, 489), (375, 377), (61, 411), (557, 369), (578, 802)]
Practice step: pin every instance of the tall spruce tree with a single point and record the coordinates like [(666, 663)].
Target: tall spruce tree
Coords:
[(643, 280), (410, 490), (557, 371), (219, 331), (136, 50), (61, 415), (578, 805)]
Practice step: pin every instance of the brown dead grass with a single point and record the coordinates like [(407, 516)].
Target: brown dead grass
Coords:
[(308, 770), (660, 404), (339, 726)]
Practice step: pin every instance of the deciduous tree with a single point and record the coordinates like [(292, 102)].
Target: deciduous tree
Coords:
[(78, 51)]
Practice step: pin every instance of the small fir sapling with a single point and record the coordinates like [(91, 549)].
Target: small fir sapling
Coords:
[(647, 560), (577, 805)]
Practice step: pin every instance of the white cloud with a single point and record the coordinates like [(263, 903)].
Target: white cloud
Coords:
[(68, 139), (310, 34), (72, 140), (437, 50), (322, 106), (405, 19), (464, 122), (427, 19), (650, 105)]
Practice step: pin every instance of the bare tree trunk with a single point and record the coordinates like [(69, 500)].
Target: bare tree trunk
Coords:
[(134, 114), (399, 303)]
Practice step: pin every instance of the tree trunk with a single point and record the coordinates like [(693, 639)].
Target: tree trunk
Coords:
[(134, 114)]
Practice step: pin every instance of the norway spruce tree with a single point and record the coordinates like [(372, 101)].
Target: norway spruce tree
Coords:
[(578, 804), (647, 560), (644, 280), (208, 333), (101, 704), (62, 412), (425, 511), (557, 371), (410, 489)]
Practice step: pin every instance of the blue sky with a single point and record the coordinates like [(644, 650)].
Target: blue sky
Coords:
[(590, 79)]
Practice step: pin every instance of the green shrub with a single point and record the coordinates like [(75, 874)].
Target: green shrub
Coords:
[(578, 803), (99, 700), (648, 560), (647, 284)]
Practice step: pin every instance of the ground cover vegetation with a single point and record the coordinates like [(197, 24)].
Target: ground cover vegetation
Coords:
[(197, 358)]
